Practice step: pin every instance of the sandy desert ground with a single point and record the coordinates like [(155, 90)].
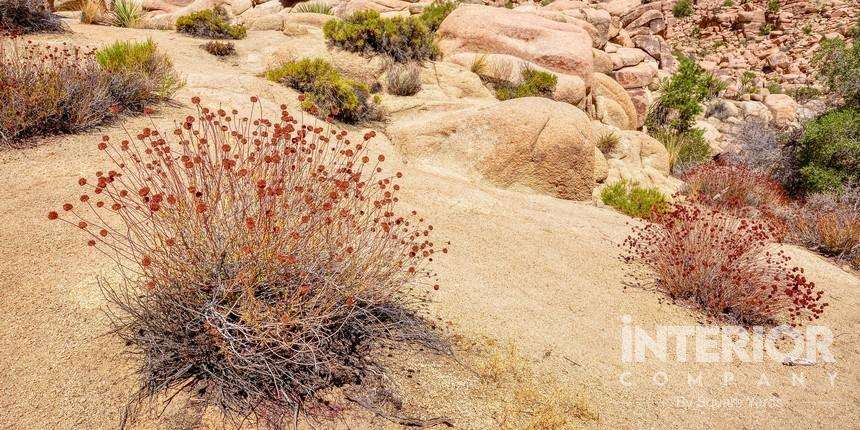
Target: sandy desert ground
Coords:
[(539, 272)]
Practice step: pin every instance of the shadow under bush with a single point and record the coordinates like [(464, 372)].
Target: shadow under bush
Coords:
[(263, 262)]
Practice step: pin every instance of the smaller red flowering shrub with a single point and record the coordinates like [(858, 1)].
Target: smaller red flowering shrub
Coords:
[(828, 224), (725, 266), (732, 187), (47, 90), (263, 260)]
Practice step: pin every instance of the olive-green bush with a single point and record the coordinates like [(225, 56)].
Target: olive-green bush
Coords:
[(402, 39), (534, 83), (325, 89), (210, 23)]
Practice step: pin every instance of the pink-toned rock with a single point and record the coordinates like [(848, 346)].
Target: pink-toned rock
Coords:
[(558, 46), (612, 103), (303, 18), (562, 5), (638, 76), (530, 142), (624, 57), (350, 7), (782, 107), (620, 7)]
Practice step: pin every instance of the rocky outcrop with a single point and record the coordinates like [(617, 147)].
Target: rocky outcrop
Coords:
[(528, 143), (558, 46), (637, 157), (754, 47)]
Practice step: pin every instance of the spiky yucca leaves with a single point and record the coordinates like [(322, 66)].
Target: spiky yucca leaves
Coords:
[(262, 260)]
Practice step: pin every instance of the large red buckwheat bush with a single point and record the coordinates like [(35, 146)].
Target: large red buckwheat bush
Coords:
[(724, 265), (262, 261)]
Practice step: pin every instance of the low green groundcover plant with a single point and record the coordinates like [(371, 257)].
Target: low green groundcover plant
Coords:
[(402, 39), (324, 88), (210, 23), (534, 83), (633, 200)]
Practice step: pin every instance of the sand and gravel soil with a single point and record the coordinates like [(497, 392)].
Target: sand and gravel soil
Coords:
[(526, 269)]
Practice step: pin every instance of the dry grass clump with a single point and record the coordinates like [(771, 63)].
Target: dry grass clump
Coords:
[(139, 73), (219, 49), (403, 79), (829, 224), (94, 12), (723, 265), (63, 89), (262, 261), (607, 142), (529, 399), (29, 16)]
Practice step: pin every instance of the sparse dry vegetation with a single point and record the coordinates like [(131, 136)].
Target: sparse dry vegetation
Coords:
[(50, 90), (28, 16), (403, 80), (262, 262), (725, 266)]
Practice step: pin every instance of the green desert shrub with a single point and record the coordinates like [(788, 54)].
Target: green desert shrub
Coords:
[(312, 7), (534, 83), (682, 9), (210, 23), (29, 16), (126, 13), (828, 152), (436, 12), (403, 79), (325, 89), (839, 68), (686, 150), (403, 39), (631, 199), (682, 95), (140, 75)]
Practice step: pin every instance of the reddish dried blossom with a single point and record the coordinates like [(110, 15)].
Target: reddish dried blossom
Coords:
[(725, 265), (251, 222)]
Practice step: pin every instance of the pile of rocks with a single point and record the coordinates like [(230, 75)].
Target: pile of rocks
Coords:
[(761, 46)]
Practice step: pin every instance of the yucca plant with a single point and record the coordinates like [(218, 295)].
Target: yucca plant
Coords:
[(126, 13), (312, 7)]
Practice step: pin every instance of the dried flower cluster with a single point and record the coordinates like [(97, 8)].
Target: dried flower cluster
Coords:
[(262, 261), (47, 90), (725, 266)]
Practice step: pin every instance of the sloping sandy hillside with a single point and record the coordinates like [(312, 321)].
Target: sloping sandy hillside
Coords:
[(539, 272)]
